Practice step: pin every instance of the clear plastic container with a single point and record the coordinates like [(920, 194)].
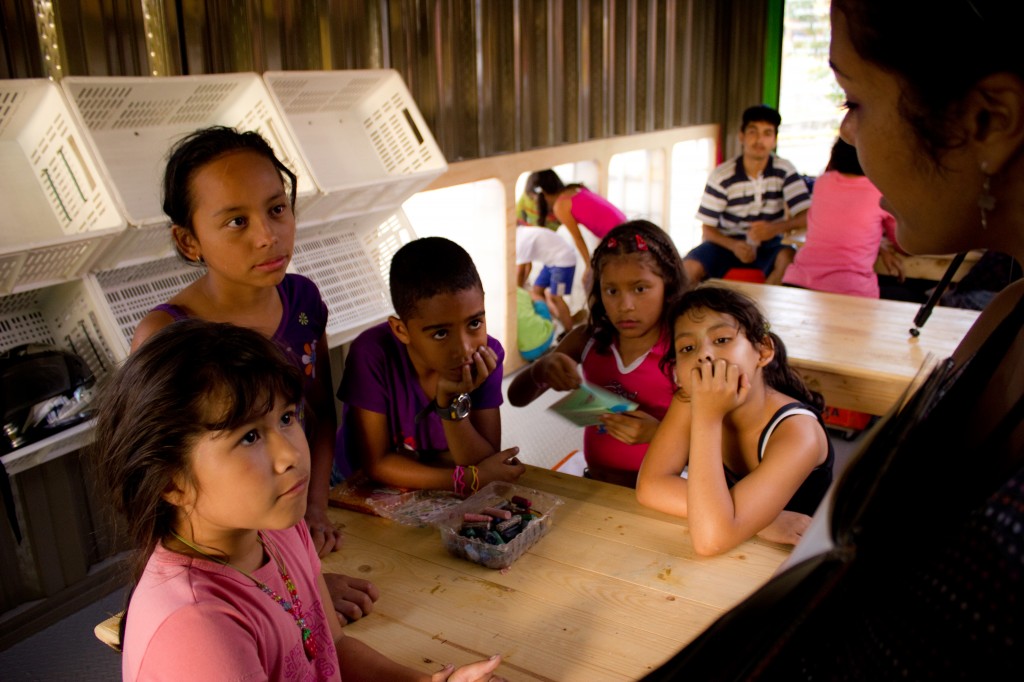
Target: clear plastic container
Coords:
[(498, 556)]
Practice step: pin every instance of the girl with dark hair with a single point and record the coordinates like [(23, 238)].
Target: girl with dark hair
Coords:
[(231, 203), (638, 274), (200, 446), (846, 232), (742, 422)]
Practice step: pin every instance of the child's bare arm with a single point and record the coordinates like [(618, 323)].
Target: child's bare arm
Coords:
[(722, 517), (557, 370), (149, 325), (358, 662), (326, 538), (382, 463), (659, 484)]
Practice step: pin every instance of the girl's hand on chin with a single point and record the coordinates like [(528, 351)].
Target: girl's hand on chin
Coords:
[(717, 388)]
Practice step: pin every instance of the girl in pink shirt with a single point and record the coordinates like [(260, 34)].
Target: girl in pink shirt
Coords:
[(200, 446), (638, 273)]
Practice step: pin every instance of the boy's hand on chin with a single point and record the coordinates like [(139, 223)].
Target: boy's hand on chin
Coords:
[(484, 362)]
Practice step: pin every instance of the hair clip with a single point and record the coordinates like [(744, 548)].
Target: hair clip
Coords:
[(612, 243), (640, 243)]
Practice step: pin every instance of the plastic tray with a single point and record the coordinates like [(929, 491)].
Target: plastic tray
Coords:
[(416, 508), (497, 556)]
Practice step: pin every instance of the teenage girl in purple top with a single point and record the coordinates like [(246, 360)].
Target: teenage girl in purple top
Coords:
[(232, 212)]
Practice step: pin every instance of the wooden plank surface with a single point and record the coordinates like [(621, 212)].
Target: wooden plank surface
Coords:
[(611, 592), (857, 351)]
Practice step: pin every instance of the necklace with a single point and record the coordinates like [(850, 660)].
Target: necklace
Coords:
[(293, 607)]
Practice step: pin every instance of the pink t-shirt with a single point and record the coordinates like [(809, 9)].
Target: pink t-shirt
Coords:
[(195, 619), (642, 382), (595, 213), (845, 225)]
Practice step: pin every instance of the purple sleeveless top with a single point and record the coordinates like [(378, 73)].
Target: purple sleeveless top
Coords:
[(303, 322)]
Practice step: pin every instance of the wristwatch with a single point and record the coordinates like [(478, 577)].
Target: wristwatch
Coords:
[(457, 411)]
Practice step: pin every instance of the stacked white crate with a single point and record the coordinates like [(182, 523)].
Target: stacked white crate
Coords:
[(133, 122), (355, 139), (368, 149), (58, 214), (59, 217)]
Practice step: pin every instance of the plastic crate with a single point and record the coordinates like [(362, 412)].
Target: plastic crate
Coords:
[(59, 213), (349, 261), (362, 138), (497, 556), (131, 292), (71, 317), (133, 122)]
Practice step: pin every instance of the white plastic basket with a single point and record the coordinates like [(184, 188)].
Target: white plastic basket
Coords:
[(349, 261), (67, 315), (45, 264), (133, 122), (131, 292), (58, 210), (362, 137)]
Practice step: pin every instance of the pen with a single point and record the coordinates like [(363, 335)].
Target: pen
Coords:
[(926, 309)]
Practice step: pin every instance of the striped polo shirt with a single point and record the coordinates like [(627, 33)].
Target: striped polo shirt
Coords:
[(732, 200)]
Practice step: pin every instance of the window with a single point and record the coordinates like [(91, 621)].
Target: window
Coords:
[(809, 96)]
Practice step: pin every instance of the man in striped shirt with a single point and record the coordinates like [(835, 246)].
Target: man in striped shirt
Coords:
[(749, 203)]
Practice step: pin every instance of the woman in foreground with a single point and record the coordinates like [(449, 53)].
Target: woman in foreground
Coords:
[(913, 568)]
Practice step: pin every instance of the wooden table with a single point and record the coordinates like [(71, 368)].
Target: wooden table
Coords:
[(858, 352), (609, 594)]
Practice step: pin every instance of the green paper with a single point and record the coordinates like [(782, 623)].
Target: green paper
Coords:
[(584, 405)]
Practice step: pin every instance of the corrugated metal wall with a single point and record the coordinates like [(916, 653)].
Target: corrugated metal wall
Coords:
[(490, 76)]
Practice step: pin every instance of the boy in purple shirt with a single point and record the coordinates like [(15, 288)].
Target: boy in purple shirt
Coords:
[(422, 390)]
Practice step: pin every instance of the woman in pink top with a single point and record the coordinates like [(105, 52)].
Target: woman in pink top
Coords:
[(845, 230)]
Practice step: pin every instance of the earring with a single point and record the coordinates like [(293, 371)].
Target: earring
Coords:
[(986, 202)]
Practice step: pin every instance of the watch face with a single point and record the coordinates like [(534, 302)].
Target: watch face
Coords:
[(460, 406)]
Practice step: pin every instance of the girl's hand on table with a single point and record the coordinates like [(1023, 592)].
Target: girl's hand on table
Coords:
[(787, 528), (326, 538), (353, 598), (630, 427), (481, 671)]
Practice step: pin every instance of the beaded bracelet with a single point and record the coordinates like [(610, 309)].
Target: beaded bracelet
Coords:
[(458, 481)]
